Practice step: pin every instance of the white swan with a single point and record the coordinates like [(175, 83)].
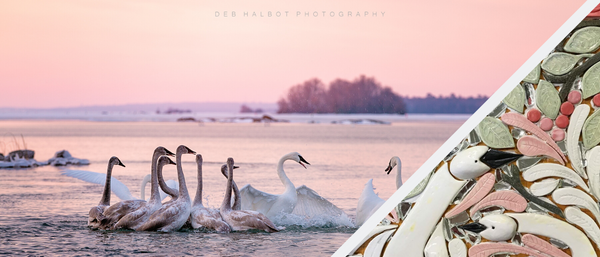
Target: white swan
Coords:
[(95, 215), (203, 216), (172, 215), (117, 187), (369, 201), (242, 220), (301, 201)]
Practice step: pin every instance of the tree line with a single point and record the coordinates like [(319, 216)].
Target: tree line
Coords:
[(362, 95), (367, 95)]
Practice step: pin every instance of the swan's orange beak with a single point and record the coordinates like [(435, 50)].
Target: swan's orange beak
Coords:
[(169, 153)]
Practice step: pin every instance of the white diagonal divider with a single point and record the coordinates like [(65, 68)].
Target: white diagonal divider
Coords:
[(467, 127)]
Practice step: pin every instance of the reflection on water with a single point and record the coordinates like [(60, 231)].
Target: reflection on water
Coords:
[(45, 212)]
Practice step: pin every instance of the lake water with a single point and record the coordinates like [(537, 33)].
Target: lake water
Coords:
[(45, 213)]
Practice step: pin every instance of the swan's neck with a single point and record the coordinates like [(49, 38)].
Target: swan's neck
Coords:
[(226, 205), (106, 194), (183, 191), (198, 198), (237, 204), (143, 187), (282, 176), (163, 185), (398, 174), (236, 192), (154, 195)]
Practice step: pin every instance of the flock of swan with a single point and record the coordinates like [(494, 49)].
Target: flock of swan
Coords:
[(243, 209)]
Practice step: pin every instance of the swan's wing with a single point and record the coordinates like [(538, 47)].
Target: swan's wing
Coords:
[(256, 200), (311, 204), (120, 189), (368, 203)]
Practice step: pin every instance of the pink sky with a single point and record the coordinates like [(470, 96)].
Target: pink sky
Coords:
[(87, 52)]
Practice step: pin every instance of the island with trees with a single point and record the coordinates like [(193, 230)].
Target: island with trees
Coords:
[(367, 95)]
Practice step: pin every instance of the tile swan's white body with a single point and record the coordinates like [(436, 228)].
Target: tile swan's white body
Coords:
[(543, 225), (411, 237)]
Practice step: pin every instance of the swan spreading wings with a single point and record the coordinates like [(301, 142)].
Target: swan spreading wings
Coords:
[(117, 187), (301, 201)]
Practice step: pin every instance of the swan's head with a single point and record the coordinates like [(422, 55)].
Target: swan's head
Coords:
[(164, 160), (230, 163), (163, 151), (182, 149), (493, 227), (393, 162), (115, 161), (475, 161), (224, 169), (199, 159), (298, 158)]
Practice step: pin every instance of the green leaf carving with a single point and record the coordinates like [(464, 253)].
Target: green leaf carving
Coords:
[(585, 40), (548, 100), (516, 99), (591, 130), (534, 76), (560, 63), (494, 133), (591, 81)]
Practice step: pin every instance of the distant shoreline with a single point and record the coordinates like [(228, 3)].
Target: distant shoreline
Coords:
[(221, 117)]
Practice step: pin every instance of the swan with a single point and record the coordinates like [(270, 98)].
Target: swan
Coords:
[(242, 220), (117, 211), (172, 215), (202, 216), (237, 203), (96, 216), (134, 219), (369, 201), (118, 188), (301, 201)]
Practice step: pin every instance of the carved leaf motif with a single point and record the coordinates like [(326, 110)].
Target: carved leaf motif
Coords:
[(420, 187), (533, 146), (517, 120), (544, 170), (544, 187), (591, 130), (559, 63), (573, 131), (593, 171), (510, 200), (591, 81), (584, 40), (534, 76), (516, 99), (457, 248), (573, 196), (495, 134), (542, 246), (579, 218), (489, 249), (548, 100), (375, 247), (481, 189)]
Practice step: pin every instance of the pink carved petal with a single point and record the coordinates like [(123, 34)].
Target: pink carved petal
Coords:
[(393, 217), (488, 249), (508, 199), (542, 246), (532, 146), (482, 188), (518, 120)]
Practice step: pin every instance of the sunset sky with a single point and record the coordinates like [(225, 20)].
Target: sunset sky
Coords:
[(86, 52)]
